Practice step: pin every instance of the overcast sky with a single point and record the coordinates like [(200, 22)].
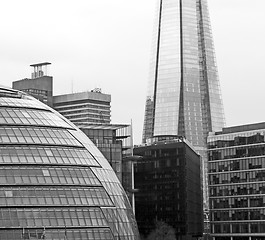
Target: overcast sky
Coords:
[(107, 43)]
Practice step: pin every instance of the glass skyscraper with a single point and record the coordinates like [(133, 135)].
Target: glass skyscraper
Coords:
[(54, 183), (184, 95)]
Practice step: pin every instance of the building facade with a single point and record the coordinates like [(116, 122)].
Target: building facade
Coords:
[(91, 107), (110, 140), (168, 187), (184, 96), (116, 144), (84, 107), (40, 85), (237, 182), (55, 183)]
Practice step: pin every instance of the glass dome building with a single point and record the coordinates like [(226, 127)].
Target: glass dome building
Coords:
[(54, 183)]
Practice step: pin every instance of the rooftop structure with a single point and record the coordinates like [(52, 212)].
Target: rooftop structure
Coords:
[(40, 69), (40, 85)]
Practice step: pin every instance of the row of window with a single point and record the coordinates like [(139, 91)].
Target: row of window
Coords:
[(82, 121), (242, 202), (235, 165), (86, 115), (238, 152), (54, 196), (238, 215), (23, 135), (57, 234), (237, 177), (46, 155), (22, 103), (83, 102), (239, 189), (31, 117), (52, 217), (47, 175), (236, 139), (258, 227), (78, 110)]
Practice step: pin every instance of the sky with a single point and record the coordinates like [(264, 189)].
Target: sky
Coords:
[(106, 44)]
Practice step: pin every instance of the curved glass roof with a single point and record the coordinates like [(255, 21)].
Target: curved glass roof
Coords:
[(55, 184)]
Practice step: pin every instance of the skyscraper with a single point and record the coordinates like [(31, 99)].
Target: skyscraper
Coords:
[(184, 95)]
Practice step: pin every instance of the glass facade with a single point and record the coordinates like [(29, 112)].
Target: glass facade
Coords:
[(55, 184), (113, 140), (184, 96), (237, 182)]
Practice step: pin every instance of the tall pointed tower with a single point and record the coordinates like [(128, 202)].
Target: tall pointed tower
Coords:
[(184, 96)]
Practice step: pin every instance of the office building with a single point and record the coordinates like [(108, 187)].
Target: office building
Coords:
[(116, 144), (113, 140), (184, 96), (80, 108), (55, 183), (40, 85), (237, 182), (84, 107), (168, 187)]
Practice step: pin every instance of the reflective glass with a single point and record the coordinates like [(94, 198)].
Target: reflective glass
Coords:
[(237, 180), (40, 217), (50, 186), (25, 102), (31, 117), (47, 175), (26, 135), (46, 155), (184, 96)]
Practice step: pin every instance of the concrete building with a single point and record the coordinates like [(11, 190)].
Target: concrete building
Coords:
[(40, 85), (168, 186), (84, 107), (91, 107), (237, 182)]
